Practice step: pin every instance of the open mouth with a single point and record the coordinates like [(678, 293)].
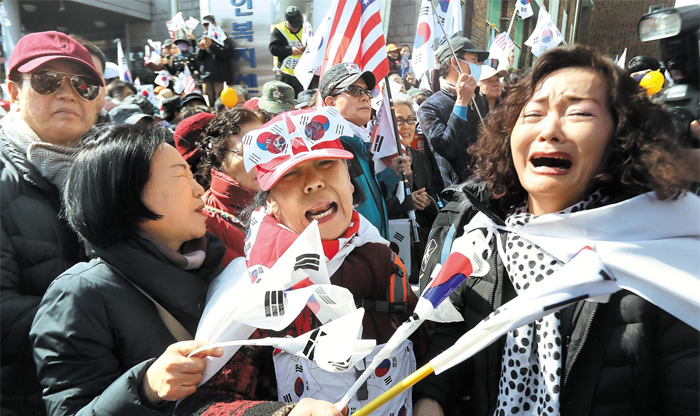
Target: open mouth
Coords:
[(552, 162), (320, 211)]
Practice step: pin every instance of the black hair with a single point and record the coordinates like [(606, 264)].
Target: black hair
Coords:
[(642, 63), (115, 88), (93, 49), (102, 196)]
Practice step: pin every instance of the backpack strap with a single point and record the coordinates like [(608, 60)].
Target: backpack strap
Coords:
[(397, 292)]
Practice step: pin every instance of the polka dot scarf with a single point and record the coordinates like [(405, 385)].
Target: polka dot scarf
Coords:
[(531, 373)]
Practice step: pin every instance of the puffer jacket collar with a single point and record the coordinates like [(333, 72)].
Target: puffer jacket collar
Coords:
[(23, 165)]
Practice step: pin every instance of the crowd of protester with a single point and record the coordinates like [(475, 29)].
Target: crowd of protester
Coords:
[(117, 214)]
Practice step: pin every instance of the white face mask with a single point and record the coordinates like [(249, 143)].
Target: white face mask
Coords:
[(475, 69)]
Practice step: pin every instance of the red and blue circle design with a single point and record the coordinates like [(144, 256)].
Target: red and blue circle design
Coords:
[(383, 368), (299, 387), (271, 142), (317, 127)]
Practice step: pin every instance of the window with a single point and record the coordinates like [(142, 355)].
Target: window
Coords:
[(656, 8)]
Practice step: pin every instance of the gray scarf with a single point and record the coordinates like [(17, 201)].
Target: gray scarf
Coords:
[(50, 160)]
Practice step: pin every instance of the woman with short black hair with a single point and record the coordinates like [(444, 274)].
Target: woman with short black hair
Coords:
[(105, 335)]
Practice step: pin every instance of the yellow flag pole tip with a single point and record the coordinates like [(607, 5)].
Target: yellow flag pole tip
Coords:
[(400, 387)]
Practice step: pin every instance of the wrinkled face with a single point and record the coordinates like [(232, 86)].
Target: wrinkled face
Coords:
[(173, 193), (357, 110), (314, 190), (233, 164), (491, 88), (561, 137), (60, 118), (394, 54), (406, 130)]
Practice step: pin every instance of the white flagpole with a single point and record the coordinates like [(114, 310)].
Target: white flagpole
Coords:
[(510, 26), (459, 69)]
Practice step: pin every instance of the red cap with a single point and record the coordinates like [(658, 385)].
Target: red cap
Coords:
[(36, 49), (188, 133)]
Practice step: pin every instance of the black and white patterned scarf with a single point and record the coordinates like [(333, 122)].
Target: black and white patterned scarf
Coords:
[(531, 373)]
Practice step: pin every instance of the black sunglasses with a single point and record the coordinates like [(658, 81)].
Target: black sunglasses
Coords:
[(48, 82), (355, 91)]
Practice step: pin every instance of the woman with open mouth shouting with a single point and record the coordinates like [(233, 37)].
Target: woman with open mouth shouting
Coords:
[(577, 156), (305, 178)]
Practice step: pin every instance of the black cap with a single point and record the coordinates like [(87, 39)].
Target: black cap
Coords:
[(293, 16), (343, 75), (460, 44), (146, 106), (122, 112), (193, 96), (171, 104)]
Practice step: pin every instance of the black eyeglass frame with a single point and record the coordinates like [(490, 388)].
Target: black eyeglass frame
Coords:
[(350, 88), (411, 121)]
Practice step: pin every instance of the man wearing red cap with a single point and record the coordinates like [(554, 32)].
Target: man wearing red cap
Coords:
[(54, 89)]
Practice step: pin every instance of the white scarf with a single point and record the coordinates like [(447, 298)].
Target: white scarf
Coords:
[(650, 246)]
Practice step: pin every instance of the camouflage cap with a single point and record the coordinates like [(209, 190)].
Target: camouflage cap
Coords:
[(277, 97)]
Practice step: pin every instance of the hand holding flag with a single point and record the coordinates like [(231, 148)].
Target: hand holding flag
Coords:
[(584, 277), (464, 261)]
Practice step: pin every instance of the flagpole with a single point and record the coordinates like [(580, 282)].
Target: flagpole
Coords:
[(452, 51), (510, 26), (410, 208)]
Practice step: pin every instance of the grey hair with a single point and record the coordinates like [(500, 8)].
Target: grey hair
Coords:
[(405, 99)]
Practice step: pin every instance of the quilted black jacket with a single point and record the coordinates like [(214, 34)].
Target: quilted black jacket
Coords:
[(35, 247)]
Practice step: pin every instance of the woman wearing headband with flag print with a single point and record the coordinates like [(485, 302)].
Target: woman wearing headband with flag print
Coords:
[(302, 172), (577, 155)]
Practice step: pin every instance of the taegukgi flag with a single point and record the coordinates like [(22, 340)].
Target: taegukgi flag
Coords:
[(545, 36)]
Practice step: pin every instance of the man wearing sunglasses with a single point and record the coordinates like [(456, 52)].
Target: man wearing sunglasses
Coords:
[(349, 90), (449, 118), (54, 89)]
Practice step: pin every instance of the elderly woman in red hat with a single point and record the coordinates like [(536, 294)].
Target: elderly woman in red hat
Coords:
[(304, 178)]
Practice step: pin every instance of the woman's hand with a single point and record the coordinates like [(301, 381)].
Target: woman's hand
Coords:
[(427, 407), (401, 164), (173, 376), (312, 407), (421, 200)]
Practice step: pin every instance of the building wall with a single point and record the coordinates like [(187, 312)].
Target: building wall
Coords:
[(403, 21), (611, 26)]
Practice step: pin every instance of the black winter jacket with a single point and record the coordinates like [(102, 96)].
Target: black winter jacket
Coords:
[(214, 62), (95, 335), (448, 134), (623, 357), (35, 247)]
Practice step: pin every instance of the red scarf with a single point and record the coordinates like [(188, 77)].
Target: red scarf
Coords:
[(275, 238)]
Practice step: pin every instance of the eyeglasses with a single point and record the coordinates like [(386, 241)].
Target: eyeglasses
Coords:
[(400, 121), (48, 82), (235, 152), (355, 91)]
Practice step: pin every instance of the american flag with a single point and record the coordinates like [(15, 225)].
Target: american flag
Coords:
[(500, 40), (351, 32)]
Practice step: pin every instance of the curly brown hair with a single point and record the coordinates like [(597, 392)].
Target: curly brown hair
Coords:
[(217, 140), (642, 156)]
